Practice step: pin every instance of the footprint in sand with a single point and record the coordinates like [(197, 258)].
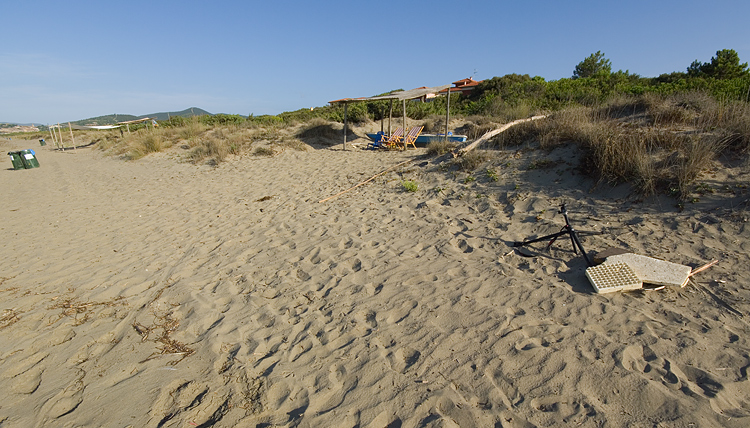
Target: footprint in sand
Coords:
[(192, 401), (373, 289), (402, 359), (64, 402), (366, 321), (698, 381), (24, 365), (385, 419), (28, 381), (642, 360), (503, 387), (283, 404), (341, 384), (459, 415), (564, 409), (397, 315)]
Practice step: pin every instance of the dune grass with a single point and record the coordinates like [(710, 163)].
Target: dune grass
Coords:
[(206, 143), (656, 143)]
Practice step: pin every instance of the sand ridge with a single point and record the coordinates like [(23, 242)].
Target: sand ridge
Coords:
[(158, 293)]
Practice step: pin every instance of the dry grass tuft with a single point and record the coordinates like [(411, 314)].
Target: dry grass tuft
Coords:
[(471, 160), (264, 151), (145, 143), (694, 157), (322, 132), (440, 147)]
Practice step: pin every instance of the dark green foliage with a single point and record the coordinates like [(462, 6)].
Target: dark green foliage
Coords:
[(174, 122), (594, 65), (222, 119), (725, 65)]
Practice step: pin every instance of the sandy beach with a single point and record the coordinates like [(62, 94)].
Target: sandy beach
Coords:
[(158, 293)]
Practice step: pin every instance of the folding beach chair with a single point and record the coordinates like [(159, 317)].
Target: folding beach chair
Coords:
[(395, 139), (411, 137)]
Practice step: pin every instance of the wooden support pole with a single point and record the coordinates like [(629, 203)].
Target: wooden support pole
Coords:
[(59, 131), (59, 135), (403, 122), (345, 107), (72, 137), (390, 117), (54, 140), (447, 113), (382, 120)]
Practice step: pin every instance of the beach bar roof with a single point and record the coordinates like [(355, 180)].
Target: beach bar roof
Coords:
[(396, 95), (100, 127)]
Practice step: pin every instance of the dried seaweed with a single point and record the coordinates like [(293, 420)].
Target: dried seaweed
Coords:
[(9, 317)]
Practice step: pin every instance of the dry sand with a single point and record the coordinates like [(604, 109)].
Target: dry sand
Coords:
[(156, 293)]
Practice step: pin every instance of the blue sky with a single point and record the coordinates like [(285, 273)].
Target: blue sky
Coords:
[(64, 61)]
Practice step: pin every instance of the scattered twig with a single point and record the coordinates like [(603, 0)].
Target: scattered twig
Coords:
[(366, 181)]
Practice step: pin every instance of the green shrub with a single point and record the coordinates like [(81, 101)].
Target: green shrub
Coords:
[(409, 186), (491, 174)]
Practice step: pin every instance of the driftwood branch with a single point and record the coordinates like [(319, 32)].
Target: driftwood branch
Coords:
[(486, 137), (702, 268), (366, 181)]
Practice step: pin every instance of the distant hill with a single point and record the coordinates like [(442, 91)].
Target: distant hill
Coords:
[(188, 112), (8, 124), (111, 119)]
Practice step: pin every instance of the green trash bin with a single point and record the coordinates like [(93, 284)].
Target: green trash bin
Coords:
[(15, 158), (29, 159)]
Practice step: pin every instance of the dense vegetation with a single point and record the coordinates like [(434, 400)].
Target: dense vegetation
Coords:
[(657, 133), (514, 96)]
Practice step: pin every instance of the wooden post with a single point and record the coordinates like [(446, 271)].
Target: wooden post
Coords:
[(447, 113), (127, 125), (390, 117), (59, 134), (72, 137), (345, 107), (59, 131), (382, 120), (403, 122), (54, 140)]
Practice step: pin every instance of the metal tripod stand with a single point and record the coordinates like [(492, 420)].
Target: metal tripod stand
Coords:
[(566, 230)]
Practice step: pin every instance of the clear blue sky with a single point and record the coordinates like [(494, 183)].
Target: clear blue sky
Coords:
[(63, 61)]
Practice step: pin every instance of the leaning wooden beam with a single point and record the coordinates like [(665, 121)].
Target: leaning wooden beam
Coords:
[(366, 181), (486, 137)]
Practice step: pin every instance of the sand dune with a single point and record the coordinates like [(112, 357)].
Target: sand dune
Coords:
[(156, 293)]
